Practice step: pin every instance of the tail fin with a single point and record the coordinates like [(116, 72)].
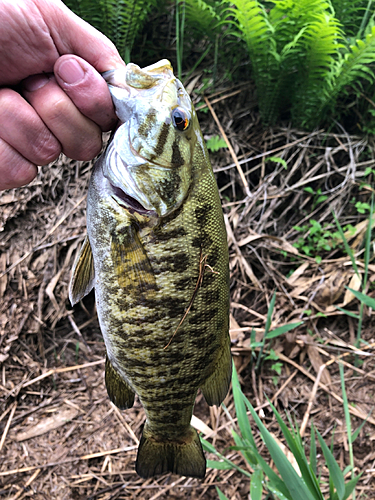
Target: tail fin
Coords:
[(183, 456)]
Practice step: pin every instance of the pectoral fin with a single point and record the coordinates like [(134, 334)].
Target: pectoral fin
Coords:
[(83, 274), (216, 386), (131, 263), (119, 391)]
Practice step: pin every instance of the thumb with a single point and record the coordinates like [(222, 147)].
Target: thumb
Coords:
[(87, 89)]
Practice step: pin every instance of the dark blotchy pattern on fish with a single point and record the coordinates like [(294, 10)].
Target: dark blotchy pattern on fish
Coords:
[(162, 291)]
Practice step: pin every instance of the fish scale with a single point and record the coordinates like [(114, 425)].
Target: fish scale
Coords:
[(157, 255)]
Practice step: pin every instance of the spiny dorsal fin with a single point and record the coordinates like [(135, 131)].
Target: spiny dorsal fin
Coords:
[(83, 274), (118, 390)]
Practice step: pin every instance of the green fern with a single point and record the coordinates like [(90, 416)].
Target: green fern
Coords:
[(119, 20), (203, 16), (251, 23), (300, 56), (352, 67), (323, 40)]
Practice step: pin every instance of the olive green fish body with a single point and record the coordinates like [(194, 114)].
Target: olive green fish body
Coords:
[(159, 264)]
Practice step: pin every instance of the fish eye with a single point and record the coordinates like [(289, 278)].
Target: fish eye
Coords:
[(180, 119)]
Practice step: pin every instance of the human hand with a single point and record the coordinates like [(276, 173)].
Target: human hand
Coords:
[(52, 97)]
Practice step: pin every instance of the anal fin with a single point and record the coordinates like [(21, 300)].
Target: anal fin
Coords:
[(217, 385), (183, 456), (119, 391)]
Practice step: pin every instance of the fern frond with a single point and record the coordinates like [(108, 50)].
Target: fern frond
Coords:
[(125, 19), (204, 17), (323, 41), (251, 24), (349, 69), (119, 20), (355, 64)]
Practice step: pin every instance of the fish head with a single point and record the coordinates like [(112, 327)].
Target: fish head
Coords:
[(149, 159)]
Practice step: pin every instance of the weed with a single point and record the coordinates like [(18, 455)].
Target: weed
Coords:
[(289, 484), (318, 197), (317, 239), (215, 143)]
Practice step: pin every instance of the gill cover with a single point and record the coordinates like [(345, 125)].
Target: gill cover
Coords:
[(150, 156)]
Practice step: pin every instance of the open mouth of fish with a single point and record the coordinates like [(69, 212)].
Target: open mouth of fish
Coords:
[(126, 201)]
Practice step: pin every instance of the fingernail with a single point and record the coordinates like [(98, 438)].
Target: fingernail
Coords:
[(70, 71), (35, 82)]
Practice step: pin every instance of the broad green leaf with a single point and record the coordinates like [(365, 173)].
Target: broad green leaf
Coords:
[(215, 143)]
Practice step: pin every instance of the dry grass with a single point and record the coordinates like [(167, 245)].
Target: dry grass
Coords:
[(60, 436)]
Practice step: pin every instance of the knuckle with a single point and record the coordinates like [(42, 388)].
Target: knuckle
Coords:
[(89, 148), (46, 147), (15, 170)]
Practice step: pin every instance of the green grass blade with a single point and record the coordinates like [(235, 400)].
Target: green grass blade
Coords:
[(336, 476), (350, 485), (282, 329), (368, 243), (242, 418), (347, 420), (368, 301), (296, 447), (214, 464), (348, 313), (269, 314), (313, 461), (266, 329), (211, 449), (295, 485), (277, 493), (246, 449), (348, 250), (221, 494), (256, 485), (357, 431)]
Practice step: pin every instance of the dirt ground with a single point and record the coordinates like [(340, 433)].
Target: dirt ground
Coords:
[(61, 438)]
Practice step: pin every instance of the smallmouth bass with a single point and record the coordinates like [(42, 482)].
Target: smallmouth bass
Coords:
[(156, 253)]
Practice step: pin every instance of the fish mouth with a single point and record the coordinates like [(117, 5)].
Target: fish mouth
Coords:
[(131, 204)]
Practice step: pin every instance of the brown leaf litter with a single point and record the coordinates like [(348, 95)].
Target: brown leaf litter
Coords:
[(61, 437)]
